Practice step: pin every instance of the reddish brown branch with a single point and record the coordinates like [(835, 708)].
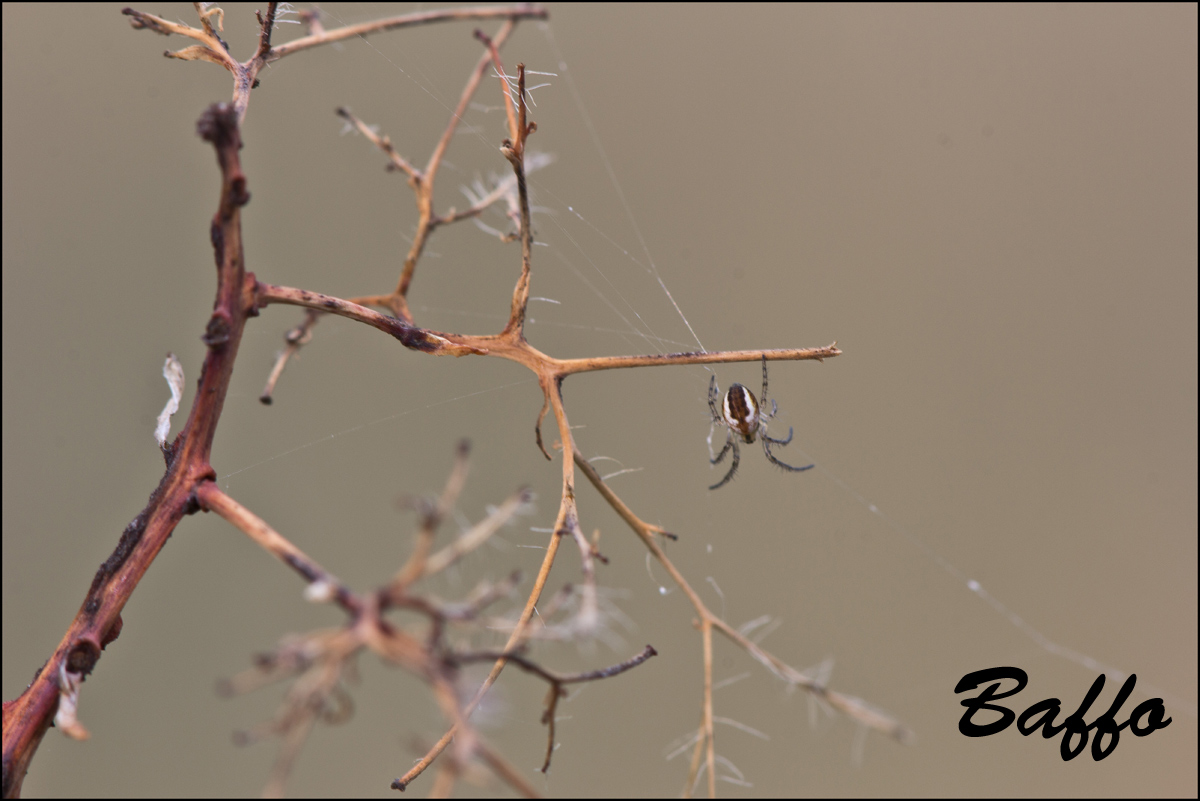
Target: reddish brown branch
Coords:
[(98, 621)]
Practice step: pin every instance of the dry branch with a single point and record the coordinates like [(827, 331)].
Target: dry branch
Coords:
[(320, 663)]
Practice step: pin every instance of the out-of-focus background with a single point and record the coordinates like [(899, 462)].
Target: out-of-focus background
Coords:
[(992, 209)]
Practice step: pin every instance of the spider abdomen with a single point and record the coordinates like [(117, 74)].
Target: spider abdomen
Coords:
[(740, 409)]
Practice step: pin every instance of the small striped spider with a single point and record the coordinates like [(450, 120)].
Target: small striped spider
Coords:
[(741, 414)]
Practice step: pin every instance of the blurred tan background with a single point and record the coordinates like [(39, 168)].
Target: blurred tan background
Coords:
[(992, 209)]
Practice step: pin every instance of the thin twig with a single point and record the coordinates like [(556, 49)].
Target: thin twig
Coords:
[(245, 75), (518, 11), (323, 585), (431, 518), (557, 682)]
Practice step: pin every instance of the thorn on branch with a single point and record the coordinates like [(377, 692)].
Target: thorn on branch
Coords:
[(296, 338)]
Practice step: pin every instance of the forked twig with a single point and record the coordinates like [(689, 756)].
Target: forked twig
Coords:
[(557, 682)]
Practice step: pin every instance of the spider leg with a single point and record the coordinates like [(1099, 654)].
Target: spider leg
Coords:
[(713, 395), (764, 392), (720, 456), (766, 441), (729, 443), (779, 441)]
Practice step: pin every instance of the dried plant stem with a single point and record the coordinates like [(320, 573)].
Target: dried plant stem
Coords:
[(213, 49), (558, 681), (514, 641), (212, 499), (431, 518), (852, 707), (319, 661), (98, 621), (705, 742), (517, 11), (422, 182)]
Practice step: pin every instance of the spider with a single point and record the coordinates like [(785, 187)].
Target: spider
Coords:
[(745, 419)]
